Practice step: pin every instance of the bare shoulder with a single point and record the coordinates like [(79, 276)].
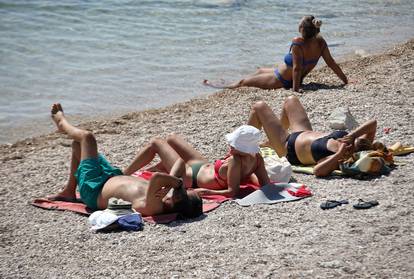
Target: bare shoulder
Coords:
[(321, 41), (298, 40)]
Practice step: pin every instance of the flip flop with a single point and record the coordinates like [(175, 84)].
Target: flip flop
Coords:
[(365, 204), (329, 204)]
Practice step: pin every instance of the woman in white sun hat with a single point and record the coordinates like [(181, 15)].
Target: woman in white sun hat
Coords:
[(243, 163)]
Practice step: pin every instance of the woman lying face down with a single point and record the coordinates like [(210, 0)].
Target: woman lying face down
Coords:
[(243, 163)]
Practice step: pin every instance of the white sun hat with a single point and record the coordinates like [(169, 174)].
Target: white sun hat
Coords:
[(246, 139)]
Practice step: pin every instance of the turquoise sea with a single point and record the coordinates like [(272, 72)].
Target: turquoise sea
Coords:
[(100, 58)]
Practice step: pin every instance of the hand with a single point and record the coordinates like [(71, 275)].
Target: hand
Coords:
[(346, 151), (201, 191), (162, 192), (348, 139), (180, 183)]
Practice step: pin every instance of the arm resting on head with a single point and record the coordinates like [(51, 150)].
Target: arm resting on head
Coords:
[(366, 130)]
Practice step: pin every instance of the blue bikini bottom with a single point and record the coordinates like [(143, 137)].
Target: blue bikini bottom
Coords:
[(287, 84)]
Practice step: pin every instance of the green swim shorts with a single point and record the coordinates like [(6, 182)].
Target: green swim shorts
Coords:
[(91, 175)]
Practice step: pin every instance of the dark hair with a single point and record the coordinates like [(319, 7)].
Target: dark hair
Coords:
[(189, 207), (310, 26), (362, 144)]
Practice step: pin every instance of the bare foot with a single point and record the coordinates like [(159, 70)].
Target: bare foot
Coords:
[(62, 196), (221, 85), (57, 115)]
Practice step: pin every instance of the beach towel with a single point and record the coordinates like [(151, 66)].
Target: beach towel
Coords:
[(269, 152), (357, 166), (79, 207), (274, 193)]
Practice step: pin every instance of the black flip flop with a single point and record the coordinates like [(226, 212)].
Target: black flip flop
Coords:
[(329, 204), (365, 204)]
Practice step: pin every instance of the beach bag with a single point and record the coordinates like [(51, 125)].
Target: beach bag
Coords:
[(342, 119), (278, 169)]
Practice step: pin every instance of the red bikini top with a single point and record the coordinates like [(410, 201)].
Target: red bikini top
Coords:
[(223, 182)]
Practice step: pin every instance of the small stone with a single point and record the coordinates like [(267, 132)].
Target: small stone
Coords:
[(332, 264)]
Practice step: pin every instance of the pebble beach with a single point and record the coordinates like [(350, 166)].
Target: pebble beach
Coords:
[(284, 240)]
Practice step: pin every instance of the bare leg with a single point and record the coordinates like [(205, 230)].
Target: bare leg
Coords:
[(265, 80), (261, 70), (262, 115), (293, 115), (85, 138), (147, 154), (188, 153), (69, 192)]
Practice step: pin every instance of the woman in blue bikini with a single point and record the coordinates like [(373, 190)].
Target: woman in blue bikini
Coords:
[(303, 146), (304, 54)]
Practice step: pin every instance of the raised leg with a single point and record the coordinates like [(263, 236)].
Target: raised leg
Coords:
[(156, 146), (262, 115), (69, 192), (294, 116), (85, 138), (187, 152)]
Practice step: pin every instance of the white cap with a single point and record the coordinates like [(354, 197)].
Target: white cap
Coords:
[(246, 139)]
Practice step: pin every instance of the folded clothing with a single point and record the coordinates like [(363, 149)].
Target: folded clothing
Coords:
[(103, 220)]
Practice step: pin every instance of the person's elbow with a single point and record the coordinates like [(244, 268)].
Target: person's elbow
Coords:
[(320, 172), (232, 193), (296, 70), (373, 123)]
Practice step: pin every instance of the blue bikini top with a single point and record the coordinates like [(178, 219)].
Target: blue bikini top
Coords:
[(289, 58)]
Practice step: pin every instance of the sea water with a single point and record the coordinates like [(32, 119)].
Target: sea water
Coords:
[(100, 58)]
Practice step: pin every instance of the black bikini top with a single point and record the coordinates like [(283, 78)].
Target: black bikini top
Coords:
[(319, 147)]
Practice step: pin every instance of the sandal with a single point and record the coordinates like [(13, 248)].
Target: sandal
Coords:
[(365, 204), (332, 204)]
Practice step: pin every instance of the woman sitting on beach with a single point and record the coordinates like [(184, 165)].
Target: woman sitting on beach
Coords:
[(223, 177), (303, 146), (98, 180), (303, 55)]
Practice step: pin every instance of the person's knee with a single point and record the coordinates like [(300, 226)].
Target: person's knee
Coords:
[(172, 138), (260, 71), (156, 142), (88, 137), (259, 106), (291, 101)]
